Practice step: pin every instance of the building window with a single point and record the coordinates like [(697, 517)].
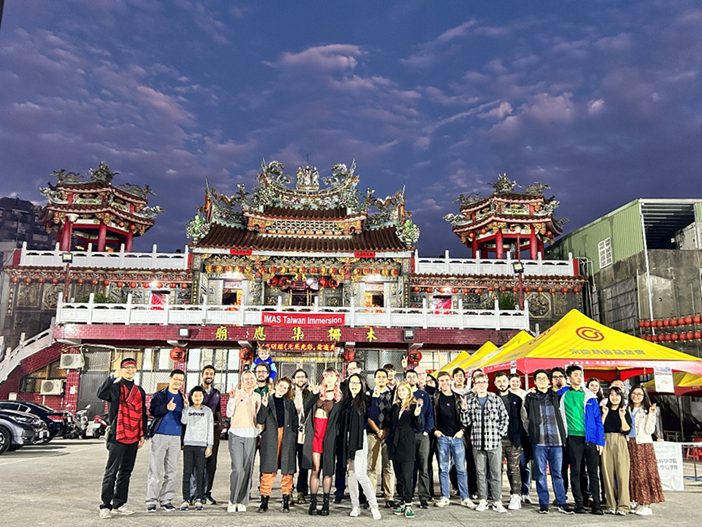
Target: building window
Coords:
[(31, 383), (605, 250)]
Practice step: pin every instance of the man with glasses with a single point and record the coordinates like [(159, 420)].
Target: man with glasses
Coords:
[(263, 379), (558, 382), (489, 422), (301, 392), (547, 436)]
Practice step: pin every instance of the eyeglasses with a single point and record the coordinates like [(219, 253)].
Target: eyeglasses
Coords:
[(637, 394), (480, 382), (558, 377)]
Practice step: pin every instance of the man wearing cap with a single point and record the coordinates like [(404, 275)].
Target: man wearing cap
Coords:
[(127, 419)]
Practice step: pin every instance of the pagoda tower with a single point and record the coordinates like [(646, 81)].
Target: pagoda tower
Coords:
[(507, 220), (94, 211)]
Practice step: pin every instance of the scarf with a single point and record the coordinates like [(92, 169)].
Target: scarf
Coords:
[(130, 415)]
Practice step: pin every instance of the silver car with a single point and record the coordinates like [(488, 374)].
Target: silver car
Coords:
[(20, 428)]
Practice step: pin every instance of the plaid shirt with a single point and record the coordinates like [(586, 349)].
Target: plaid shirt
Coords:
[(488, 426)]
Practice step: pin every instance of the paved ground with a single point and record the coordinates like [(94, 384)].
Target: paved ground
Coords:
[(59, 484)]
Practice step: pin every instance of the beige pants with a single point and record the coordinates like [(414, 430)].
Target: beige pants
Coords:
[(615, 467), (377, 450)]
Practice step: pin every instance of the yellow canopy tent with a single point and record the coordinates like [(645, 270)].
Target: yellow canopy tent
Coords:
[(451, 365), (577, 339), (685, 384), (486, 348), (487, 358)]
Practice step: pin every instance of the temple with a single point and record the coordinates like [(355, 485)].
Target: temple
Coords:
[(507, 219), (94, 211)]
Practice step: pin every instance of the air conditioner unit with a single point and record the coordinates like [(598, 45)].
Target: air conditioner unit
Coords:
[(54, 387), (71, 361)]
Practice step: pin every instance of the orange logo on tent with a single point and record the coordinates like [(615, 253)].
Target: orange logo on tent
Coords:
[(589, 334)]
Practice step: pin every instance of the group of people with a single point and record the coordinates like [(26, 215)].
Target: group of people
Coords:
[(345, 434)]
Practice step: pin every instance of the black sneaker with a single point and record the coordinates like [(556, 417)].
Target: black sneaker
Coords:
[(151, 507), (365, 505), (337, 499), (580, 510), (565, 509), (423, 504), (543, 510), (390, 504), (210, 500), (598, 512), (168, 507)]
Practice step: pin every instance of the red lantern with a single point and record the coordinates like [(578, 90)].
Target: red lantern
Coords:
[(313, 270), (515, 289), (183, 286), (417, 289), (697, 319), (14, 280), (552, 290), (177, 354), (333, 283), (218, 269), (349, 354), (690, 335), (27, 281), (334, 270), (653, 338), (273, 282), (323, 282), (564, 290), (273, 269), (698, 334), (105, 283), (159, 285), (675, 336), (120, 284), (245, 355), (576, 290), (669, 337), (132, 285), (56, 281), (666, 322), (303, 269), (681, 321), (646, 323), (173, 285), (659, 323), (395, 272), (454, 290), (93, 282), (414, 356), (688, 320), (674, 322), (430, 290), (466, 290), (490, 288), (527, 289), (503, 288), (478, 291), (41, 280), (145, 285)]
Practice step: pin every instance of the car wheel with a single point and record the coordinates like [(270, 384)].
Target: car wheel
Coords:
[(5, 439)]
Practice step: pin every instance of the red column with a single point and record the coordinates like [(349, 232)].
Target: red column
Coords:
[(533, 249), (66, 234), (102, 235), (475, 246), (498, 245), (128, 242)]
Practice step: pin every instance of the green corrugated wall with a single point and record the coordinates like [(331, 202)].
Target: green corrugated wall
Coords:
[(623, 226)]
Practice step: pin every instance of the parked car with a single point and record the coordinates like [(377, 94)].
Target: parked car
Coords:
[(20, 428), (57, 421)]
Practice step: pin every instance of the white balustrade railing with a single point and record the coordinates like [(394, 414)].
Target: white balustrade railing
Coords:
[(106, 260), (24, 349), (478, 266), (251, 315)]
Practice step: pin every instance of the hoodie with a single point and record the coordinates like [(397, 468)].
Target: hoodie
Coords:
[(594, 430)]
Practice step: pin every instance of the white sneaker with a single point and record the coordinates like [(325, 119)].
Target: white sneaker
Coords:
[(376, 513), (105, 513), (515, 502), (355, 511), (467, 502), (633, 506), (231, 507), (240, 507), (527, 499), (442, 502), (122, 510), (642, 510), (482, 506), (498, 507)]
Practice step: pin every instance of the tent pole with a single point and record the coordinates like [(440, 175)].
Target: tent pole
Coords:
[(680, 413), (526, 381)]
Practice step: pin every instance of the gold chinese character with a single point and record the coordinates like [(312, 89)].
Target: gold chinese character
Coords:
[(221, 333), (298, 334), (260, 333), (371, 335), (335, 334)]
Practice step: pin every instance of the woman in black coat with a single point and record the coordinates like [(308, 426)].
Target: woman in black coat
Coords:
[(406, 415), (323, 408), (278, 449)]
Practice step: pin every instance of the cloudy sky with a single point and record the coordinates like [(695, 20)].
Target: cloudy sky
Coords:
[(601, 100)]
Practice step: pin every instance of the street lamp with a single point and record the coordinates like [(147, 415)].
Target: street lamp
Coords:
[(66, 258), (518, 268)]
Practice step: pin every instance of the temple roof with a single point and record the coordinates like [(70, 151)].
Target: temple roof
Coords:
[(221, 236), (311, 214)]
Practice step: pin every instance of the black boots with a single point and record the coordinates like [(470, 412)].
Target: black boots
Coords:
[(313, 504), (286, 502), (264, 504), (325, 505)]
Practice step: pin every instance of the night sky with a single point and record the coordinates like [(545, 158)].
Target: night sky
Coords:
[(601, 100)]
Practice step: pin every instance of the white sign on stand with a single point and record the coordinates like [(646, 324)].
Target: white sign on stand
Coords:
[(670, 465), (664, 380)]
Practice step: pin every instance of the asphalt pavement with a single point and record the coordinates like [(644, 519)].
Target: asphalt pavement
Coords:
[(58, 484)]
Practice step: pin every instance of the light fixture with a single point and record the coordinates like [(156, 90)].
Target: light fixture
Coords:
[(518, 267), (67, 258), (184, 332), (409, 333)]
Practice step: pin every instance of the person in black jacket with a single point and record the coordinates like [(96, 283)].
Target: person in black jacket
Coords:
[(406, 416), (354, 444), (278, 442), (127, 419), (515, 438), (547, 436)]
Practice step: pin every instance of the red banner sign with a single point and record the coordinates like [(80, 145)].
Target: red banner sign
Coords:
[(240, 252), (364, 255), (301, 319), (302, 346)]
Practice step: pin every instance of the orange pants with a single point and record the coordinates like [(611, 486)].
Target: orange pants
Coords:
[(286, 485)]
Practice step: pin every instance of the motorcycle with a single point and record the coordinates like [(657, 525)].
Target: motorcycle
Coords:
[(98, 427), (79, 426)]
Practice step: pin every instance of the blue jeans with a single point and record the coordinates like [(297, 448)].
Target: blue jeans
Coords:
[(452, 448), (526, 474), (554, 456)]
